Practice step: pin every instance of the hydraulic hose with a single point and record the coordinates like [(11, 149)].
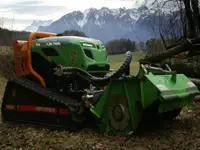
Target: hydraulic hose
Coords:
[(98, 80)]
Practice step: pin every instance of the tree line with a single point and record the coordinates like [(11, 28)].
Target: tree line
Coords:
[(118, 46), (156, 45), (7, 37), (72, 33)]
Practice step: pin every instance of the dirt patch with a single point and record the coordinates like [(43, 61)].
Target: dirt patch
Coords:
[(6, 62), (182, 133)]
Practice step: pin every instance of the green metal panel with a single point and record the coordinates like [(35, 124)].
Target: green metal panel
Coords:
[(170, 89), (127, 93), (148, 93), (175, 91), (71, 51)]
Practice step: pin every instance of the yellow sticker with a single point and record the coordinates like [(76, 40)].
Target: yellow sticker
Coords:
[(49, 58), (96, 42), (73, 56)]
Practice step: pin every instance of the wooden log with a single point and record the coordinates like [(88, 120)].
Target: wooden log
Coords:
[(189, 68), (195, 81), (195, 40), (157, 57), (195, 47)]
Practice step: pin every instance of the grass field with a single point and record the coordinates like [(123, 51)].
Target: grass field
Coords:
[(116, 61), (180, 134)]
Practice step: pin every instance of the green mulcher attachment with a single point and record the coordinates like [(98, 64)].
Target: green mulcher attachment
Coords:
[(123, 105), (172, 90)]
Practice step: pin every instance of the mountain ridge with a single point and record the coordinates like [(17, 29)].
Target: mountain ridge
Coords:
[(139, 24), (36, 24)]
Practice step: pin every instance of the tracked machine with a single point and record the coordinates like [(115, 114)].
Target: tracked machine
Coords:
[(64, 81)]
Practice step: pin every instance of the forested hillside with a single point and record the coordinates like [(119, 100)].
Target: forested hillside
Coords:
[(118, 46), (7, 37)]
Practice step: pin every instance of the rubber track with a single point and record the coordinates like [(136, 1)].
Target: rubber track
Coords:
[(67, 101)]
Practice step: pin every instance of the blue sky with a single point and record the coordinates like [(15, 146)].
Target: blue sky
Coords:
[(25, 11)]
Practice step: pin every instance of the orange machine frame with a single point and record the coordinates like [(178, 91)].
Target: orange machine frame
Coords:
[(22, 56)]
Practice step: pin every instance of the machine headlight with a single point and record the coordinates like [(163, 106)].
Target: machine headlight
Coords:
[(87, 45)]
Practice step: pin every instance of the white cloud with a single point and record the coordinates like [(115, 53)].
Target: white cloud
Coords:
[(52, 9), (84, 4)]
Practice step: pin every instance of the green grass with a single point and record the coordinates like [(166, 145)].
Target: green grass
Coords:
[(6, 67), (117, 60), (2, 85)]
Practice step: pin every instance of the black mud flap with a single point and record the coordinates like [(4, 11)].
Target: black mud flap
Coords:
[(28, 102)]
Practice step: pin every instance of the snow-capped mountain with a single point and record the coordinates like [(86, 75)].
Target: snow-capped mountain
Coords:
[(35, 24), (139, 24)]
